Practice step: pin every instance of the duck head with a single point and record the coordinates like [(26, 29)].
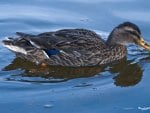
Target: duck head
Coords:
[(127, 32)]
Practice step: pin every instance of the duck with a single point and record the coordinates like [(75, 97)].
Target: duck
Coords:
[(76, 47)]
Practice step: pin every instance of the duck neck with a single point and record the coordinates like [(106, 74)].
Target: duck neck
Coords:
[(116, 45), (113, 38)]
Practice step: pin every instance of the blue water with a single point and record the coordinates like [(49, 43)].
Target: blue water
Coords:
[(118, 88)]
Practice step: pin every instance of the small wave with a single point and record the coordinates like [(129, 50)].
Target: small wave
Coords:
[(144, 108)]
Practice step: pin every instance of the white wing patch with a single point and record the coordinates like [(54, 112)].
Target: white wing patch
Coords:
[(45, 54), (16, 49)]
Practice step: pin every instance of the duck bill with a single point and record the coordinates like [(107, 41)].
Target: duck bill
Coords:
[(144, 44)]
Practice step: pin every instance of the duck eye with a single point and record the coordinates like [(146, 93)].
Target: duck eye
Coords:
[(134, 34)]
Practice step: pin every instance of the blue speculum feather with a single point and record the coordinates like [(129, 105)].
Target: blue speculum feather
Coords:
[(51, 52)]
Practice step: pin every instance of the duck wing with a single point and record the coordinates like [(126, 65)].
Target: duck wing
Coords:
[(68, 39)]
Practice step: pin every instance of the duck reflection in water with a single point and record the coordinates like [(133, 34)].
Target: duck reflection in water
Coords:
[(124, 73)]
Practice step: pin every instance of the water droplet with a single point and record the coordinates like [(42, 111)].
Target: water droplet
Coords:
[(48, 105)]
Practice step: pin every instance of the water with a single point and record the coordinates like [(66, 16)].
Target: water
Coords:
[(122, 87)]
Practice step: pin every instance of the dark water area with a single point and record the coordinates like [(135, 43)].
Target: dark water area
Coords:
[(122, 87)]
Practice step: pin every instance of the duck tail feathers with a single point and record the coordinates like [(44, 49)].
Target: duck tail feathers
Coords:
[(13, 45)]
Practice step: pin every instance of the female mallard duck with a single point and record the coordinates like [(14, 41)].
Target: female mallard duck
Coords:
[(76, 47)]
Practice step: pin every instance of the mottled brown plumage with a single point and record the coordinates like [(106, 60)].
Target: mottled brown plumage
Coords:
[(76, 47)]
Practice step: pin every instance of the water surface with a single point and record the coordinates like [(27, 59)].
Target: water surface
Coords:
[(122, 87)]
